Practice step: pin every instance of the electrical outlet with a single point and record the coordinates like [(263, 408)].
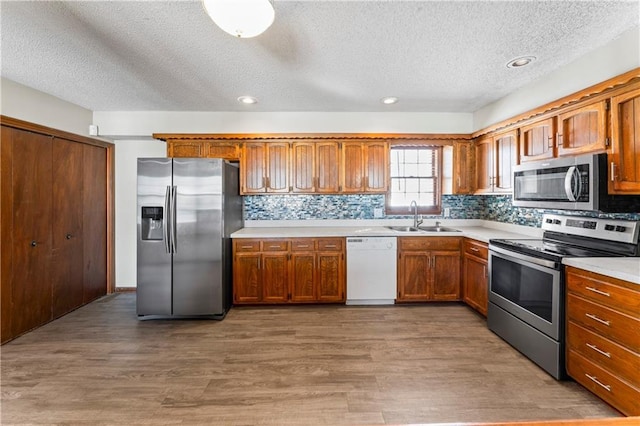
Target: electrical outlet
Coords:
[(378, 212), (447, 212)]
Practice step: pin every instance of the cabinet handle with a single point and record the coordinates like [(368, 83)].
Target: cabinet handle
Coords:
[(274, 247), (331, 246), (550, 142), (601, 321), (598, 382), (68, 236), (613, 172), (303, 246), (268, 184), (247, 247), (559, 138), (595, 290), (34, 243), (475, 249), (600, 351)]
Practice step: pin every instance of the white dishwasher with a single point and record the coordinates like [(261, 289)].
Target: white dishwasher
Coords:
[(371, 270)]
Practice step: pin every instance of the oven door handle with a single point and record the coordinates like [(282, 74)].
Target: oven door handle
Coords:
[(572, 191), (524, 257)]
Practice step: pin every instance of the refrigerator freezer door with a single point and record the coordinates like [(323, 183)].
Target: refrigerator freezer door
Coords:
[(197, 261), (154, 262)]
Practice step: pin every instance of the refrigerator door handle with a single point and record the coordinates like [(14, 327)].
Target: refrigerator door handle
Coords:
[(174, 240), (167, 220)]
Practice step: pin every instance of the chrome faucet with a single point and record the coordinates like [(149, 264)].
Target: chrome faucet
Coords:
[(438, 224), (416, 222)]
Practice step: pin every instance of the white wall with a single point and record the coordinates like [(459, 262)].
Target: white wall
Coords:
[(127, 153), (615, 58), (25, 103), (132, 124)]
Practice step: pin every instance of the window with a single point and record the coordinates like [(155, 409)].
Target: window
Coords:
[(415, 175)]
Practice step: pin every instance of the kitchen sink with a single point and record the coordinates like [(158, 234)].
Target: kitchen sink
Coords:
[(437, 229), (403, 228)]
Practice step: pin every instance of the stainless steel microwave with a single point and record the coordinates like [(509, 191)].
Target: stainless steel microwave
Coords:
[(572, 183)]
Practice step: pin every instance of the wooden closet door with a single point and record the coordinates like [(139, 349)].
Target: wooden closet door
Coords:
[(94, 221), (67, 226), (31, 188)]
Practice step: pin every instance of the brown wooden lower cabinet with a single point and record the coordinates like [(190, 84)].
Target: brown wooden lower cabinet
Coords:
[(475, 276), (603, 337), (277, 271), (428, 269)]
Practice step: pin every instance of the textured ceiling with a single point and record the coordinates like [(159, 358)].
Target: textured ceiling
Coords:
[(435, 56)]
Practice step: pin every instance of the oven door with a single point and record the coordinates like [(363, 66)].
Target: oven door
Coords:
[(528, 288)]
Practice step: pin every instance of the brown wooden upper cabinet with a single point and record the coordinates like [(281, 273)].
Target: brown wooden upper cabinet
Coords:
[(495, 157), (365, 167), (462, 170), (315, 167), (537, 140), (265, 167), (583, 130), (624, 170), (203, 148)]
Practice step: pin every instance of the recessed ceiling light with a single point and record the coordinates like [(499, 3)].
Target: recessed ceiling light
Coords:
[(389, 100), (520, 62), (247, 100)]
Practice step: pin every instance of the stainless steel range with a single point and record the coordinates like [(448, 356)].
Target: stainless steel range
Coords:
[(526, 281)]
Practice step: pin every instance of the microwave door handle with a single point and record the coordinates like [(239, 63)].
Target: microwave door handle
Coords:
[(568, 187)]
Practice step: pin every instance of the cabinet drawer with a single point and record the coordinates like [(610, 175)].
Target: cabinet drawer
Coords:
[(275, 245), (614, 325), (607, 386), (303, 244), (330, 244), (607, 354), (246, 245), (223, 150), (600, 289), (429, 243), (476, 248)]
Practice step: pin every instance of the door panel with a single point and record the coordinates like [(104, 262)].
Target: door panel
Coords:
[(303, 288), (302, 173), (330, 277), (197, 261), (274, 278), (414, 277), (32, 204), (154, 262), (247, 284), (327, 166), (446, 275), (352, 167)]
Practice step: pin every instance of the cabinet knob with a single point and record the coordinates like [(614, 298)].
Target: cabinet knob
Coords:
[(34, 243), (68, 236)]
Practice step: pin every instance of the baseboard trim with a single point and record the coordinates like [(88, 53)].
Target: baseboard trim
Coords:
[(125, 289)]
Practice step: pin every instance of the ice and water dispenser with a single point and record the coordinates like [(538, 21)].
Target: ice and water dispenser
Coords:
[(152, 223)]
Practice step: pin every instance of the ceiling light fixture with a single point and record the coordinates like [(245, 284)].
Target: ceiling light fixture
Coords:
[(241, 18), (389, 100), (520, 62), (247, 100)]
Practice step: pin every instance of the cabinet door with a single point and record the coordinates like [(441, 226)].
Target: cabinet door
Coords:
[(253, 173), (94, 222), (277, 167), (475, 283), (185, 149), (67, 238), (445, 272), (582, 130), (537, 140), (32, 203), (413, 276), (506, 156), (462, 156), (624, 173), (352, 167), (247, 283), (376, 162), (484, 165), (327, 167), (303, 283), (303, 167), (275, 278), (330, 273)]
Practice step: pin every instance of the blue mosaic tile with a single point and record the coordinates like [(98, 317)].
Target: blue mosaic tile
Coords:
[(490, 207)]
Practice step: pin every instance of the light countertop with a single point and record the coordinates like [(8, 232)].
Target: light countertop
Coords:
[(624, 268)]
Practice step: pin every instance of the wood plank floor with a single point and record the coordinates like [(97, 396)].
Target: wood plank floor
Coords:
[(310, 365)]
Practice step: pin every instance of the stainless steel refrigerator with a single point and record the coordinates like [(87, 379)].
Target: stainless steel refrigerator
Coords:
[(187, 209)]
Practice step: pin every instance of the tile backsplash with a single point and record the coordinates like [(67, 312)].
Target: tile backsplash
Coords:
[(490, 207)]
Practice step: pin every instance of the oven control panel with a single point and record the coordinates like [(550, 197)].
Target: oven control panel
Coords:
[(625, 231)]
